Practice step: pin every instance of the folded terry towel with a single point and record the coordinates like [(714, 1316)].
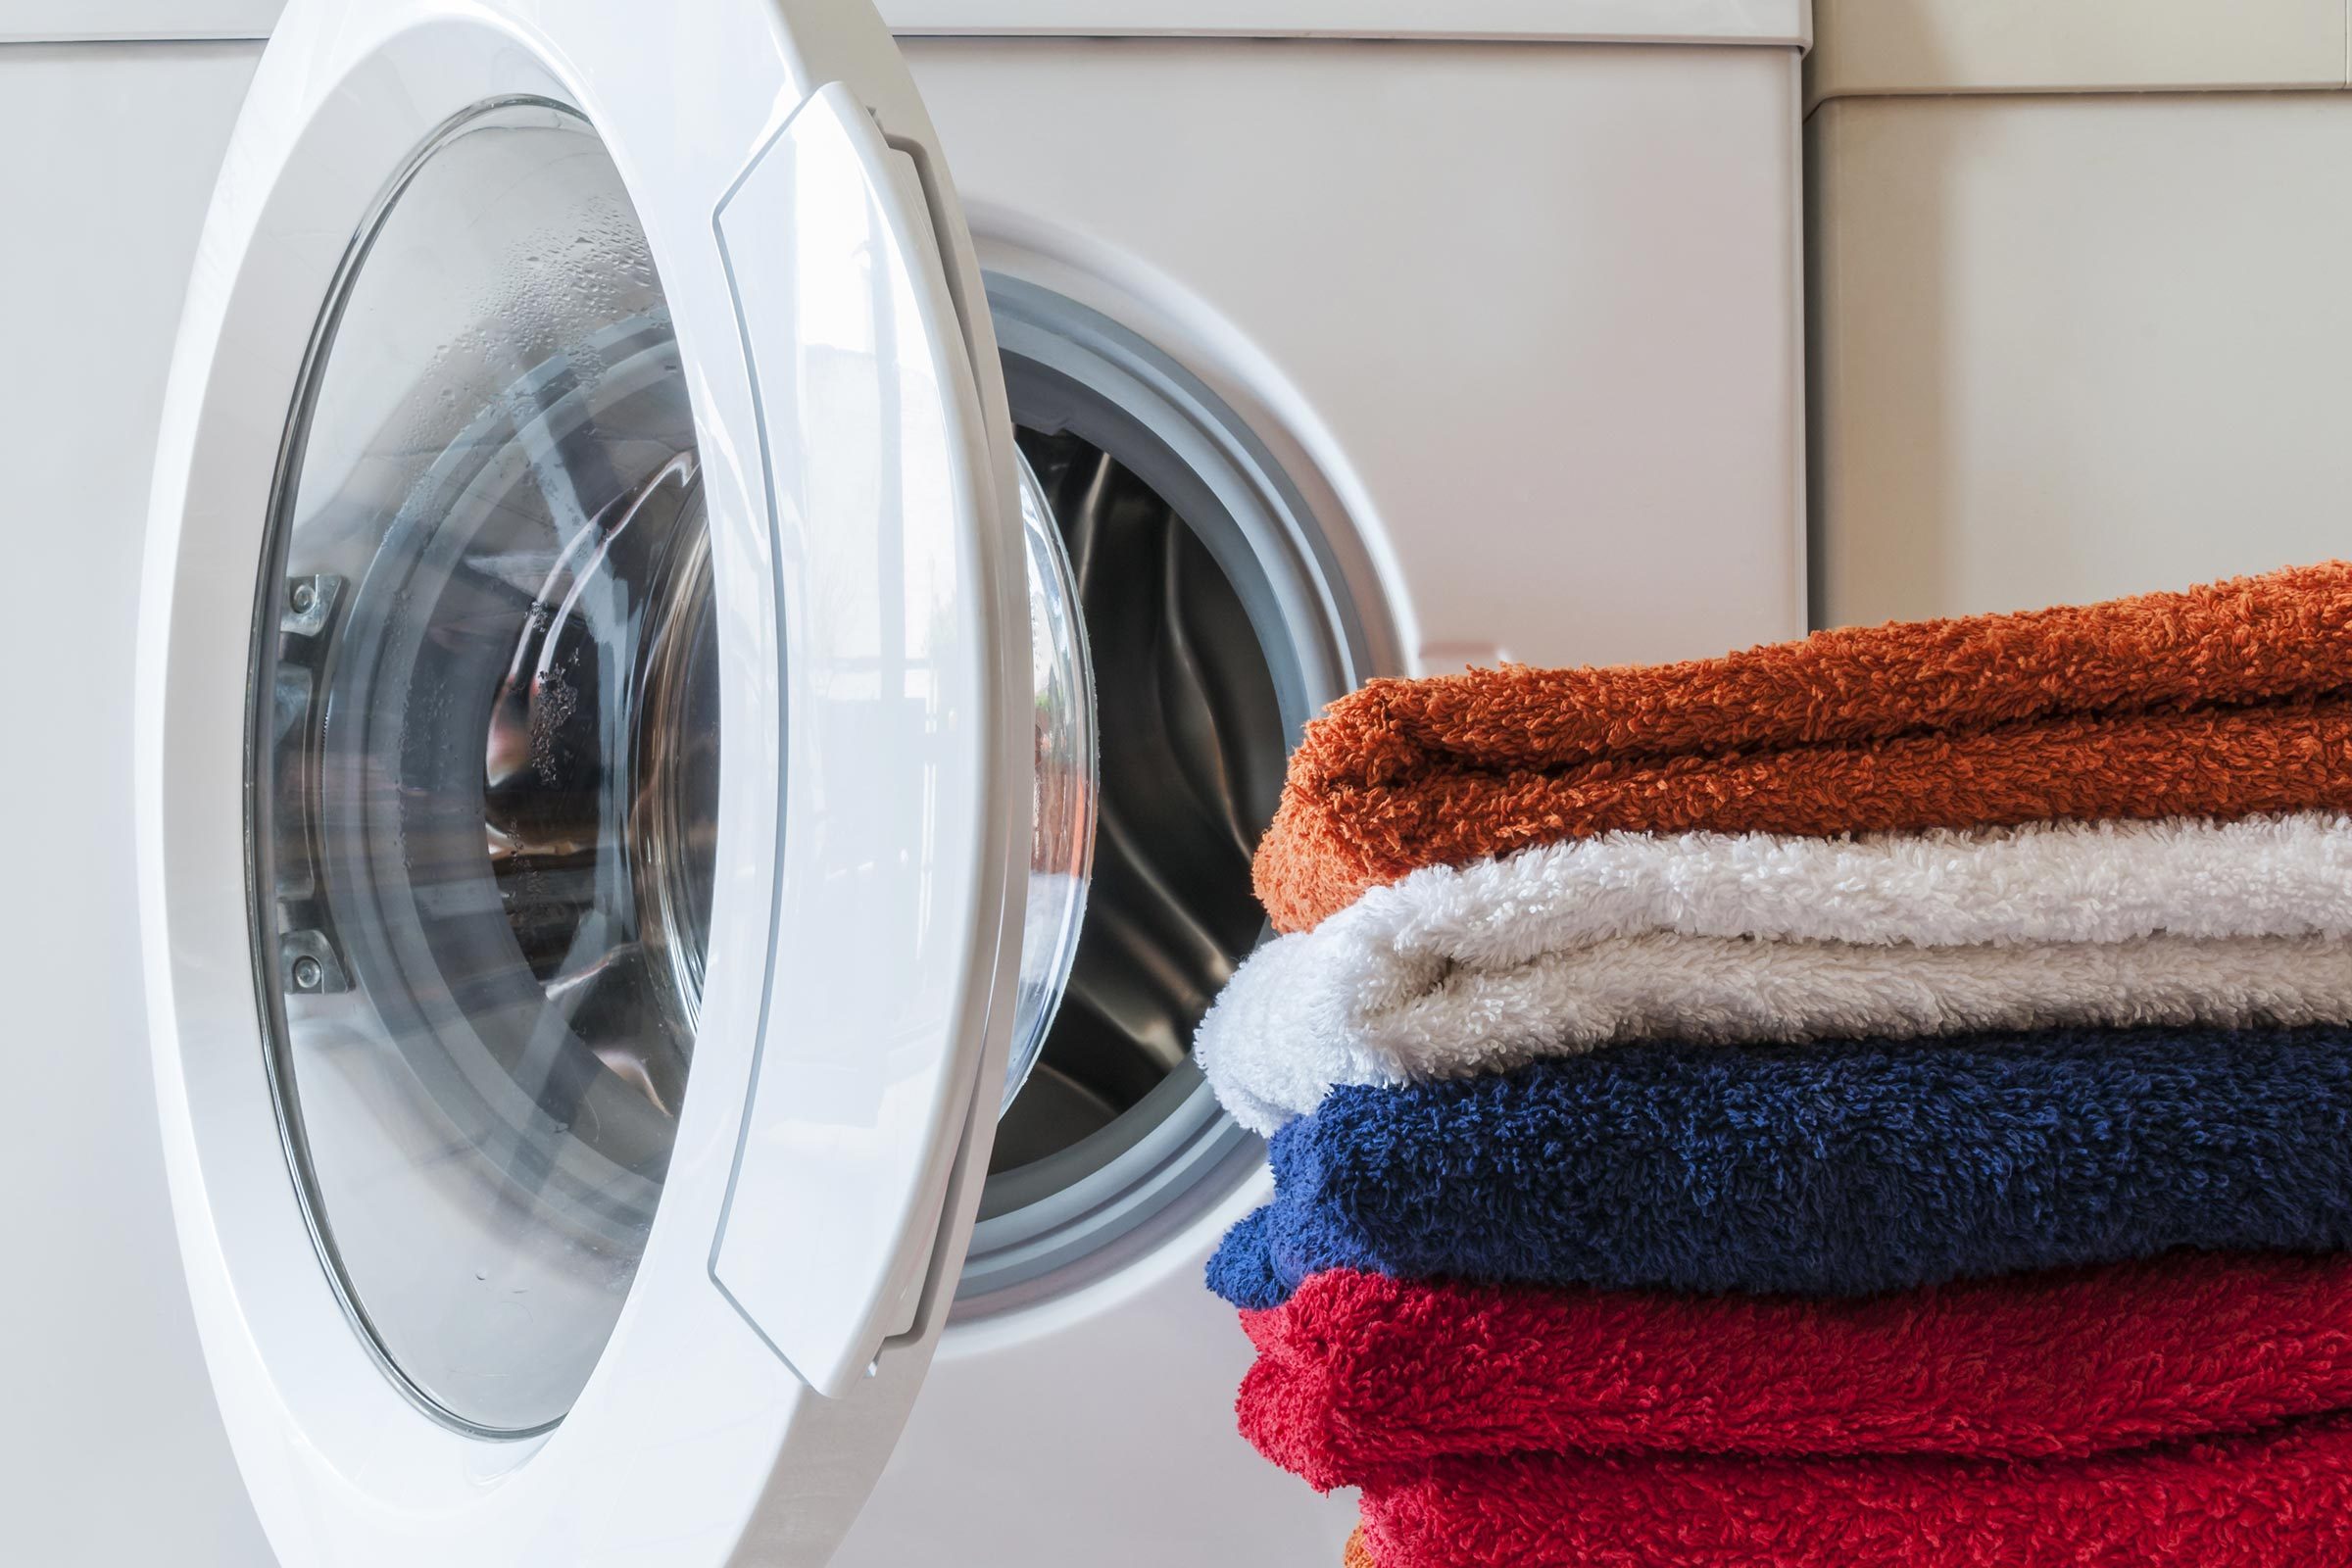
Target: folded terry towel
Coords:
[(1362, 1378), (2280, 1497), (1286, 1030), (1289, 1029), (2223, 701), (1829, 1169), (1560, 948)]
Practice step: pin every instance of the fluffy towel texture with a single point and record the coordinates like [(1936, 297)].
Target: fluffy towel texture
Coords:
[(1629, 936), (1361, 1379), (2223, 701), (2272, 875), (2276, 1498), (1286, 1032), (1831, 1169), (1357, 1554)]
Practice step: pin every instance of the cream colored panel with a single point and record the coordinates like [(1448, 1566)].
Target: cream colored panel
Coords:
[(1895, 46), (112, 1449), (2069, 348)]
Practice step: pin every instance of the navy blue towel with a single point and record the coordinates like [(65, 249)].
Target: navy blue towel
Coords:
[(1833, 1169)]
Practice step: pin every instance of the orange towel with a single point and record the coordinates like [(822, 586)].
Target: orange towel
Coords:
[(1357, 1555), (2223, 701)]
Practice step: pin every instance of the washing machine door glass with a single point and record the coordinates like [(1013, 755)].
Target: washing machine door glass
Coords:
[(586, 881), (490, 768)]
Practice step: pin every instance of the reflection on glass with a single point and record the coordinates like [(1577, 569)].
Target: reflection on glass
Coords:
[(486, 766), (1062, 823)]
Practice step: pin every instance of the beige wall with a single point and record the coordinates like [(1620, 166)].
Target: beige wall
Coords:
[(2065, 346)]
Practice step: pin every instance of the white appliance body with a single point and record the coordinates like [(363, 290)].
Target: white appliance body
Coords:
[(1515, 322), (108, 152), (1522, 316), (1520, 320)]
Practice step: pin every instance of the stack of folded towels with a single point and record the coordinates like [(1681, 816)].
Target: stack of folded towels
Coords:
[(1880, 1099)]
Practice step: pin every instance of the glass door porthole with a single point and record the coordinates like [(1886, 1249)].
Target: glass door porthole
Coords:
[(485, 767)]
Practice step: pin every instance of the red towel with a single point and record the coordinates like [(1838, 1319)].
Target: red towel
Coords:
[(1361, 1378), (2222, 700), (2279, 1499)]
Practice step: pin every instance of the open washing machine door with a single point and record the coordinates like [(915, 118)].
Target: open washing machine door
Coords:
[(587, 724)]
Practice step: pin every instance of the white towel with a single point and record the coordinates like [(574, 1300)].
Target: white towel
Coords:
[(1733, 937)]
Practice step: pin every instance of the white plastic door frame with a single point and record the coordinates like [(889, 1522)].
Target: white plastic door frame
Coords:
[(865, 924)]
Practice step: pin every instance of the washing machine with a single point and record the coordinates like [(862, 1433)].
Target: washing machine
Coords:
[(1499, 333), (2079, 318), (721, 608)]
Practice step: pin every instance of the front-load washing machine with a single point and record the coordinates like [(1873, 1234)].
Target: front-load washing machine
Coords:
[(1489, 349), (705, 692)]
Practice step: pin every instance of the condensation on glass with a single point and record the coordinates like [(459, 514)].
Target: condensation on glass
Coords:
[(486, 764)]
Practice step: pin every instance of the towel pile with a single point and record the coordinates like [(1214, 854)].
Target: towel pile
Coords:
[(1880, 1099)]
